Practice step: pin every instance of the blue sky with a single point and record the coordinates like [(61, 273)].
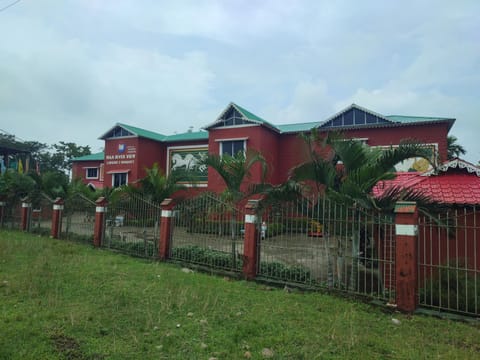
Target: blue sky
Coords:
[(71, 69)]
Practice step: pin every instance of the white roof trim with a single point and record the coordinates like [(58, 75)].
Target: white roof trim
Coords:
[(453, 164), (355, 106), (103, 137)]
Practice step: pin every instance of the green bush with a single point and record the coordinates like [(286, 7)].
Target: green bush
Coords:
[(77, 237), (453, 289), (137, 248), (220, 227), (276, 270), (274, 229), (40, 231), (200, 255), (298, 225)]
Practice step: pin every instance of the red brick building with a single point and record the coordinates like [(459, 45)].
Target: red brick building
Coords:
[(130, 150)]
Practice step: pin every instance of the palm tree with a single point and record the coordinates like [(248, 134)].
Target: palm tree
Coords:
[(157, 186), (234, 170), (346, 171), (454, 149)]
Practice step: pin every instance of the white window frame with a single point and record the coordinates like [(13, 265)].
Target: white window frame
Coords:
[(90, 177), (119, 172), (221, 141)]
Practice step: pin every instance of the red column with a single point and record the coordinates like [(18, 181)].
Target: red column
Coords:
[(166, 229), (26, 212), (58, 205), (250, 242), (406, 264), (100, 211)]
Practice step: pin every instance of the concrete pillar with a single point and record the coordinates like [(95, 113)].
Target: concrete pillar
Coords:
[(406, 257), (166, 229), (99, 229), (58, 206), (26, 214), (3, 204), (250, 244)]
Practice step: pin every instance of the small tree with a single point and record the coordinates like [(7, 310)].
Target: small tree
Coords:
[(234, 170), (347, 170), (454, 149)]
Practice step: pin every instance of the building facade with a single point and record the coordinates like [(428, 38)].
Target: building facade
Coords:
[(130, 150)]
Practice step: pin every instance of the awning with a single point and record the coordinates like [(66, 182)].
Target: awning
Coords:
[(118, 171)]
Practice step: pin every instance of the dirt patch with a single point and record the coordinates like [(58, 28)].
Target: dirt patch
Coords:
[(67, 346)]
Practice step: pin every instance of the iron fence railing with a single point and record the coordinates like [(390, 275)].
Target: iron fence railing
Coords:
[(78, 219), (132, 225), (208, 231), (448, 260), (320, 243), (40, 216)]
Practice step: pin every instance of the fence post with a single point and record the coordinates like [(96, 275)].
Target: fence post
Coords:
[(58, 206), (406, 264), (99, 229), (250, 248), (26, 214), (166, 229), (3, 203)]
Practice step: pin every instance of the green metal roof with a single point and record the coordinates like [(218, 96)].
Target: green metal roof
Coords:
[(197, 135), (287, 128), (413, 119), (251, 116), (143, 133), (92, 157)]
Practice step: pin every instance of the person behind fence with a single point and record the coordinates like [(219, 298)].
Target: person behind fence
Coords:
[(263, 229)]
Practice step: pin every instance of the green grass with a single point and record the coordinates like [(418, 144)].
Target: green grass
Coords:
[(62, 300)]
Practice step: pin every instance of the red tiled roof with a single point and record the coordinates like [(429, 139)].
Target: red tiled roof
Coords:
[(453, 185)]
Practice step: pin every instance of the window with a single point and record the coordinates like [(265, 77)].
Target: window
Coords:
[(232, 147), (92, 173), (119, 132), (119, 179)]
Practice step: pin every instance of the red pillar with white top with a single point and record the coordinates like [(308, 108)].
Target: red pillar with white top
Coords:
[(58, 206), (250, 245), (166, 229), (99, 229), (406, 256)]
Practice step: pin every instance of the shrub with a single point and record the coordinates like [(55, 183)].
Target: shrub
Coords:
[(135, 248), (453, 288), (222, 227), (295, 273), (200, 255)]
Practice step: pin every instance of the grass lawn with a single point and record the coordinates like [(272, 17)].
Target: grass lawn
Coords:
[(61, 300)]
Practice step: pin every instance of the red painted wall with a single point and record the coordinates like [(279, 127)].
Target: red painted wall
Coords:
[(259, 138), (428, 134), (439, 247), (79, 170), (281, 151)]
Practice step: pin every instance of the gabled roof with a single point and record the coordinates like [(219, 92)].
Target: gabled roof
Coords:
[(100, 156), (369, 118), (455, 182), (136, 131), (246, 115)]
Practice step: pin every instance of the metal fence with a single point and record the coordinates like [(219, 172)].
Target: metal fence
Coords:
[(12, 215), (40, 217), (209, 232), (448, 260), (320, 243), (132, 225), (78, 219)]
